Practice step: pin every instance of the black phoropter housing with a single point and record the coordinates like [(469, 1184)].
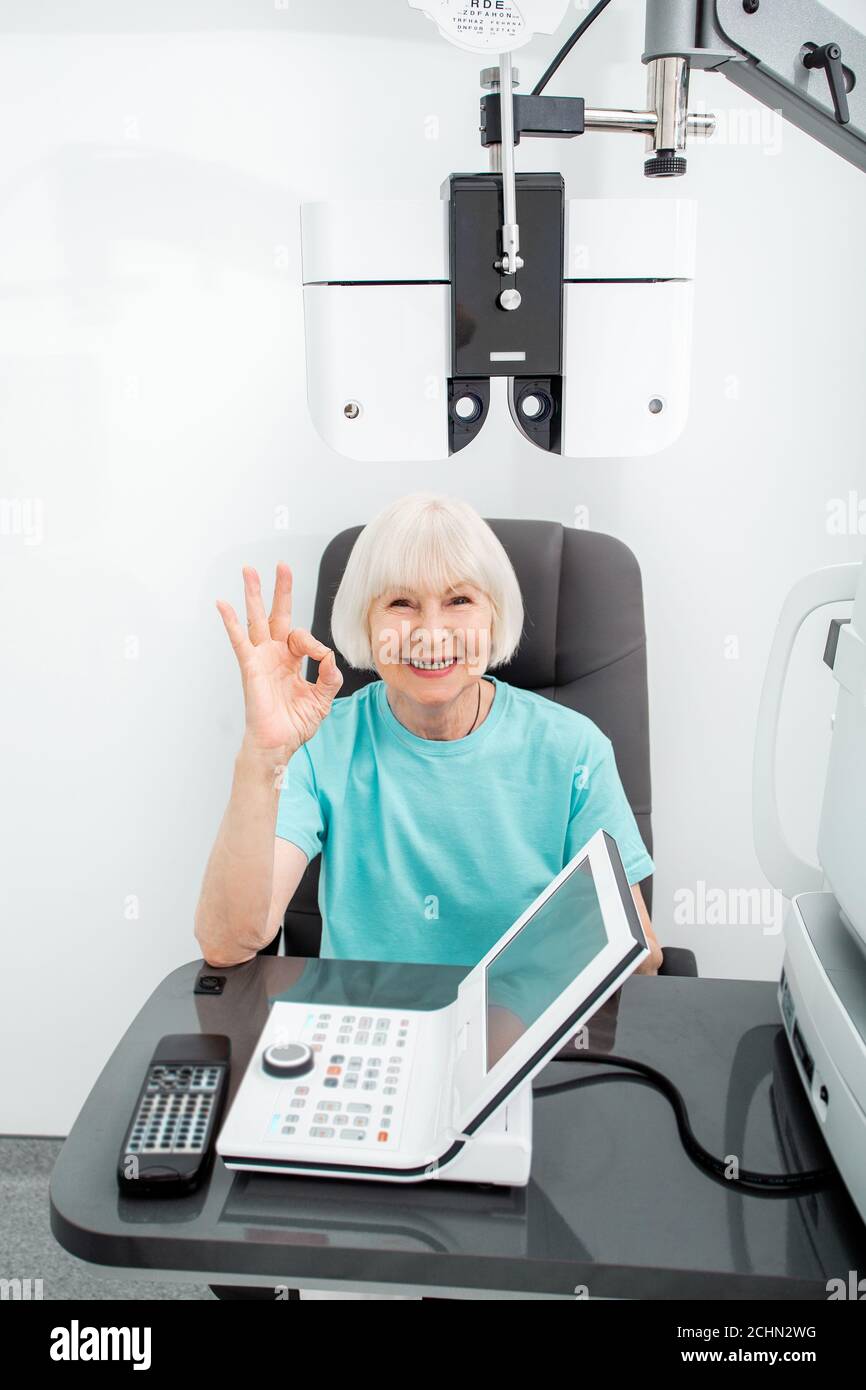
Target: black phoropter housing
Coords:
[(486, 340)]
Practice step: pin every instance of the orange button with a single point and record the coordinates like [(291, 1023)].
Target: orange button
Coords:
[(334, 1071), (383, 1136)]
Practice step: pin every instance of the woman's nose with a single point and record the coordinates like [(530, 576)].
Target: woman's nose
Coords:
[(431, 628)]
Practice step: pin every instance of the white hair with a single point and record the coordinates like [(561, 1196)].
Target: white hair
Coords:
[(425, 542)]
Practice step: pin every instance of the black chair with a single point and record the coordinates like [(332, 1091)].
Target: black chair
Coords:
[(583, 645)]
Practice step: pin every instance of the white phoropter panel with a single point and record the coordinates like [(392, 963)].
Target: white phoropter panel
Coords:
[(627, 325), (408, 1095)]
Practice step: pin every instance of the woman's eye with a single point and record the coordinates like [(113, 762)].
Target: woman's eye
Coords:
[(396, 602), (461, 598)]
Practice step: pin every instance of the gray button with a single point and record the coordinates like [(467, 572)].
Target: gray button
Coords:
[(380, 1039), (383, 1022), (369, 1085), (389, 1091), (322, 1133), (359, 1108), (352, 1134), (361, 1039), (365, 1022), (360, 1120)]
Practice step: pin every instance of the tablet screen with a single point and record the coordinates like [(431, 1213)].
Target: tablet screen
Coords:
[(542, 959)]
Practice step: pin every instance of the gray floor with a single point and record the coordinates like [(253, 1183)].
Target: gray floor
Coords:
[(28, 1250)]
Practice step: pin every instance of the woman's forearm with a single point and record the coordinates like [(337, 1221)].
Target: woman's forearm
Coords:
[(231, 919)]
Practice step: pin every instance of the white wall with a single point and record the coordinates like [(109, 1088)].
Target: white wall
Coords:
[(153, 427)]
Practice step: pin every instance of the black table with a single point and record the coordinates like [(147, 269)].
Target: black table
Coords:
[(613, 1209)]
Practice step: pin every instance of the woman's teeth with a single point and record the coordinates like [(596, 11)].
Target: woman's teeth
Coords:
[(432, 665)]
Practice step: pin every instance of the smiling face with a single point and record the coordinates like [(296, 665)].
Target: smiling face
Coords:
[(430, 645)]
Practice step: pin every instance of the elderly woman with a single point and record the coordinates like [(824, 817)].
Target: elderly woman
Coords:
[(441, 798)]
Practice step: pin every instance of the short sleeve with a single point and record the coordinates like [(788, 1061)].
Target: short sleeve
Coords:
[(299, 813), (599, 802)]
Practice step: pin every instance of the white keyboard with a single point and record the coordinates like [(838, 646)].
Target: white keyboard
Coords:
[(356, 1093)]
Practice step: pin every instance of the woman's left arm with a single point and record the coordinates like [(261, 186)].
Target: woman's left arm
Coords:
[(652, 964)]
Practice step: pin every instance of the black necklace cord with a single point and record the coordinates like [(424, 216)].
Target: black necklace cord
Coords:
[(759, 1184), (477, 712)]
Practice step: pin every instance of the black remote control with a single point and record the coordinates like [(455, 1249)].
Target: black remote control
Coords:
[(169, 1141)]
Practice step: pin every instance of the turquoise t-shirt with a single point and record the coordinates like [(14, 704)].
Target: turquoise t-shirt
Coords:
[(432, 848)]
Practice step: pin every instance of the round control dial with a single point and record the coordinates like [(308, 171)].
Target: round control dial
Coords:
[(287, 1059)]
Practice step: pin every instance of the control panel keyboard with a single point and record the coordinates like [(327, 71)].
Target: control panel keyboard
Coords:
[(355, 1095)]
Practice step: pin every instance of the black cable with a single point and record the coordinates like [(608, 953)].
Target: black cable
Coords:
[(763, 1184), (568, 46)]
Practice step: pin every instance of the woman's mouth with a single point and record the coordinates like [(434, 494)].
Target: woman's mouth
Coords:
[(432, 669)]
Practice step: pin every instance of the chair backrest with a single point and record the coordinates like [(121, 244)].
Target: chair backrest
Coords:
[(583, 645)]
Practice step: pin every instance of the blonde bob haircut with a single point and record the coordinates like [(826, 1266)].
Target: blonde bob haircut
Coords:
[(425, 542)]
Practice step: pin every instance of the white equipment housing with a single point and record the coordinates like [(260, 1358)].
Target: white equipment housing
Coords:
[(822, 992)]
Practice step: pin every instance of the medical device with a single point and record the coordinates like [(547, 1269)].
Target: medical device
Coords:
[(581, 308), (822, 992), (407, 1095)]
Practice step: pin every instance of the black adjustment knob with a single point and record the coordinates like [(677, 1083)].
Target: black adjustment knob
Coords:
[(287, 1059), (829, 57), (664, 164)]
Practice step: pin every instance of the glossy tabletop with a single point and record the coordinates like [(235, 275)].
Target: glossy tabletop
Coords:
[(614, 1207)]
